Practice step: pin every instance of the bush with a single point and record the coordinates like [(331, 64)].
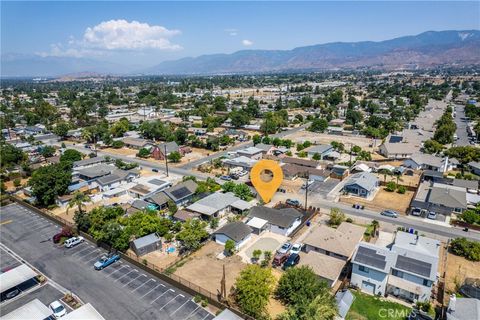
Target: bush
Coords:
[(197, 298), (391, 186), (466, 248), (204, 303), (336, 217), (401, 189), (117, 144), (17, 182), (349, 220)]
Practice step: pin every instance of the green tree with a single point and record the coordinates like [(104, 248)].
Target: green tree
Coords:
[(318, 125), (50, 181), (323, 307), (47, 151), (391, 186), (336, 217), (229, 247), (61, 129), (10, 155), (181, 135), (256, 139), (71, 155), (229, 186), (470, 216), (175, 156), (298, 285), (317, 156), (192, 234), (143, 153), (431, 147), (252, 290), (243, 191), (78, 200)]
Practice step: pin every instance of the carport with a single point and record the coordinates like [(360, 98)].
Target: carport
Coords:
[(33, 310), (16, 277), (86, 311)]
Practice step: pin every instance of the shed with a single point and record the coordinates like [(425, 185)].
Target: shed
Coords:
[(344, 300), (146, 244)]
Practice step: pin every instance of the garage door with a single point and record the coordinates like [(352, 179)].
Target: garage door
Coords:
[(368, 287)]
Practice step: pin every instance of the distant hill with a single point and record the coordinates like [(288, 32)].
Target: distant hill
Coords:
[(428, 49), (425, 50)]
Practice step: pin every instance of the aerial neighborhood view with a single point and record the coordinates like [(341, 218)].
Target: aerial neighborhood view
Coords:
[(240, 160)]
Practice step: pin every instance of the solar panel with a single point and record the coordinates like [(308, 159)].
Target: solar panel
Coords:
[(395, 139), (370, 257), (156, 182), (415, 266), (180, 193)]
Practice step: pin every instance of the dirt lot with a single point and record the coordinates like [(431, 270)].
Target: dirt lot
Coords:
[(205, 270), (384, 200), (10, 187), (322, 138), (196, 154), (458, 269), (122, 151)]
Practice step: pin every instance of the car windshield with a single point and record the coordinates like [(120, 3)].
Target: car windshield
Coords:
[(285, 246), (60, 308)]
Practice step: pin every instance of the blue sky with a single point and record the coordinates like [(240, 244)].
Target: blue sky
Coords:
[(171, 30)]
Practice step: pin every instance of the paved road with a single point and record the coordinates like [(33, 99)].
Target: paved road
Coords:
[(461, 126), (408, 221), (120, 291)]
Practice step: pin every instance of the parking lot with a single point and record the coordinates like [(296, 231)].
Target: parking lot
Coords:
[(120, 291)]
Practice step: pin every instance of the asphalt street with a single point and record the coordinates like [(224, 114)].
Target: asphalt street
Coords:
[(461, 123), (120, 291)]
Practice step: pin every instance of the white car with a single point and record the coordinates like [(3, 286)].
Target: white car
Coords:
[(58, 309), (72, 242), (296, 248), (432, 215), (242, 173)]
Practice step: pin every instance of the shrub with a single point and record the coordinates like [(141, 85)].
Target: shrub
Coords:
[(204, 303), (17, 182), (197, 298), (391, 186), (336, 217), (117, 144), (349, 220), (401, 189), (466, 248)]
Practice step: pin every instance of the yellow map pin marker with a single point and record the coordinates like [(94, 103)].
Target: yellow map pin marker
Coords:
[(266, 177)]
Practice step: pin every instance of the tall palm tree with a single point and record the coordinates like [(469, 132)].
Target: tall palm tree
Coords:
[(78, 199)]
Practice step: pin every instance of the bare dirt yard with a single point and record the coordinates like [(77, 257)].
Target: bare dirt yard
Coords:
[(384, 200), (323, 138), (205, 270), (122, 151), (459, 268), (196, 154)]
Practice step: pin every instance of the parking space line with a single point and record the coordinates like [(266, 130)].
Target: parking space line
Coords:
[(208, 314), (162, 296), (39, 227), (142, 285), (142, 275), (125, 266), (80, 251), (171, 314), (126, 274), (93, 259), (193, 312), (171, 299), (150, 291)]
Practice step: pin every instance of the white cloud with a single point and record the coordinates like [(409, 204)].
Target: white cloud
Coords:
[(247, 43), (117, 35)]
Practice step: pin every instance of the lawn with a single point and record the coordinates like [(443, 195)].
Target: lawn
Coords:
[(366, 307)]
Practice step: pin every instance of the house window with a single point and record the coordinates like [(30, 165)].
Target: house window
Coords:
[(426, 282), (397, 273), (458, 210), (363, 269)]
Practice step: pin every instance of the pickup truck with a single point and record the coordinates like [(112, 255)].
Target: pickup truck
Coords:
[(106, 260)]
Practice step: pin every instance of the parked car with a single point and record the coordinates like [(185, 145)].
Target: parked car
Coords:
[(242, 173), (226, 178), (390, 213), (417, 212), (65, 233), (279, 259), (432, 215), (293, 202), (10, 293), (296, 248), (106, 260), (234, 176), (72, 242), (358, 206), (58, 309), (285, 248), (154, 170), (292, 260)]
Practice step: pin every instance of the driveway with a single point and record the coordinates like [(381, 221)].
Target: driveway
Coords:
[(120, 291)]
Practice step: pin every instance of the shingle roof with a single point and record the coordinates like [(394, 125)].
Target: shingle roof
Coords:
[(342, 240), (146, 240), (300, 162), (88, 161), (264, 147), (427, 159), (279, 217), (236, 231), (96, 171), (213, 203), (159, 199), (321, 148), (366, 180), (172, 146), (325, 266), (138, 142), (449, 196)]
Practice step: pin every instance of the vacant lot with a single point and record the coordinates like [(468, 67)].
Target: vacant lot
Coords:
[(195, 155), (122, 151), (205, 270), (384, 200), (323, 138), (366, 307), (459, 268)]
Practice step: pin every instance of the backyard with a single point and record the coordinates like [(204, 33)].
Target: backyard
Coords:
[(366, 307)]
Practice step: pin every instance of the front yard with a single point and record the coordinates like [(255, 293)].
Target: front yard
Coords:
[(367, 307), (384, 200)]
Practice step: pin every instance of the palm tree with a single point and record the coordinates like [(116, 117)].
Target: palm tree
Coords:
[(375, 225), (78, 199)]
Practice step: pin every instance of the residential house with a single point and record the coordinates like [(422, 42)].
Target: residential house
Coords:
[(116, 178), (90, 162), (253, 153), (137, 143), (33, 130), (474, 167), (407, 269), (267, 149), (397, 147), (327, 268), (440, 198), (323, 150), (362, 184), (236, 231), (184, 215), (281, 221), (218, 203), (158, 151), (146, 244), (339, 172), (147, 186), (301, 162), (423, 161), (180, 194), (138, 205), (242, 161), (292, 172)]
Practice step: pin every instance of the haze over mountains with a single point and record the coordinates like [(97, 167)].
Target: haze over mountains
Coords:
[(428, 49)]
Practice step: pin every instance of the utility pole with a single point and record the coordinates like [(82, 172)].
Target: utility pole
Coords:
[(350, 153), (223, 286), (165, 155), (306, 191)]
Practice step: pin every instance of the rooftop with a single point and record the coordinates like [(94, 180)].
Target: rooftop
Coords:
[(280, 217), (213, 203), (236, 231), (325, 266)]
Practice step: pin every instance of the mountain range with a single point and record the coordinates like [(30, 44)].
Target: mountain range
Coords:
[(425, 50)]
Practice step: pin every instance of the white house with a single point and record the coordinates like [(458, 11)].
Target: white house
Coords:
[(236, 231), (281, 221)]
